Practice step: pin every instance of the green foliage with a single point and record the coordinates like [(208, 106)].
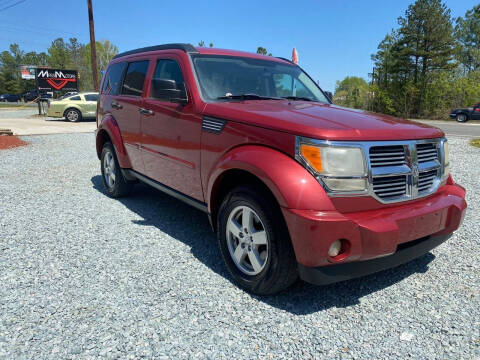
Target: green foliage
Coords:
[(475, 142), (263, 51), (352, 92), (467, 33), (415, 73), (71, 55)]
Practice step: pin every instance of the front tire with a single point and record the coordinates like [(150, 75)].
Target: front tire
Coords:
[(113, 180), (73, 115), (461, 118), (254, 242)]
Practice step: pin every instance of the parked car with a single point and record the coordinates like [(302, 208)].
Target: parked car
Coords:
[(33, 94), (68, 94), (463, 115), (293, 185), (9, 98), (75, 107)]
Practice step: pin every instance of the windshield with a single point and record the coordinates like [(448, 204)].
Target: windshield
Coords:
[(226, 77)]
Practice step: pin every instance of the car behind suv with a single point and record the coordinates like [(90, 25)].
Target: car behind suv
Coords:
[(293, 185), (9, 98)]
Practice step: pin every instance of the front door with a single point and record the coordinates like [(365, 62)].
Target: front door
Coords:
[(476, 112), (171, 136)]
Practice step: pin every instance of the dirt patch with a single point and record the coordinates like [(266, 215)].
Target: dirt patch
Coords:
[(9, 142)]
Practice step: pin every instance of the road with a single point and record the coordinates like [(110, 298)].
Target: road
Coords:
[(26, 122), (470, 129)]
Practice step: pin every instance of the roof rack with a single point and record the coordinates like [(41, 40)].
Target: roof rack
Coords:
[(188, 48)]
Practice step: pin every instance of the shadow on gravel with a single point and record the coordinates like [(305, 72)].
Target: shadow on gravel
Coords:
[(191, 227)]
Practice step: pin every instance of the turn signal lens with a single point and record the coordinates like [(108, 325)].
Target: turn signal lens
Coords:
[(312, 155)]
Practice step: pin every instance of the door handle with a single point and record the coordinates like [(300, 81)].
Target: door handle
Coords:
[(145, 111), (116, 105)]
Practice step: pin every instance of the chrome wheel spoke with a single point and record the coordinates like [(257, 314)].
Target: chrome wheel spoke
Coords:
[(234, 228), (255, 260), (247, 219), (259, 238), (239, 253)]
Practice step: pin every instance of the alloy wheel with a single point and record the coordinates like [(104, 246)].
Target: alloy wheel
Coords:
[(247, 240), (72, 115), (109, 169)]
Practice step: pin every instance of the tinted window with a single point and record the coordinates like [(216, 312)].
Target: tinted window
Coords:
[(222, 75), (76, 98), (134, 78), (167, 70), (91, 97), (111, 85)]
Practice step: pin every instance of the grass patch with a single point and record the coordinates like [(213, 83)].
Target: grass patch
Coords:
[(475, 142)]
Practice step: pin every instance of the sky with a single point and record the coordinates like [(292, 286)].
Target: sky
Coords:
[(334, 39)]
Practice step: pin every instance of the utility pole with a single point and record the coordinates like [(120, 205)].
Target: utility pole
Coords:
[(93, 48)]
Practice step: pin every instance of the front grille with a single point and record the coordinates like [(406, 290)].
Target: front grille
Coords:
[(427, 152), (390, 187), (404, 170), (426, 180), (387, 156)]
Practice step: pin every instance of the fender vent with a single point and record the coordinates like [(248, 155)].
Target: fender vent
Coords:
[(213, 125)]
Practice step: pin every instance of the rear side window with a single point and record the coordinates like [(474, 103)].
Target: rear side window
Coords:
[(111, 85), (91, 97), (134, 78), (76, 98)]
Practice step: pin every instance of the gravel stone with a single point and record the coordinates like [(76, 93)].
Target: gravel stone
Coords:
[(84, 276)]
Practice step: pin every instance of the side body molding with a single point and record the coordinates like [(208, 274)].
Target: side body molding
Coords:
[(109, 126), (292, 185)]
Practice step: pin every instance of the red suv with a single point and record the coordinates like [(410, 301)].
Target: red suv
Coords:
[(293, 185)]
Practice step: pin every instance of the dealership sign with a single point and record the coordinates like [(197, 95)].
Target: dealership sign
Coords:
[(57, 80), (27, 72)]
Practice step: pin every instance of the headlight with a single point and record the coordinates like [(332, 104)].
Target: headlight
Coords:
[(340, 168), (446, 159)]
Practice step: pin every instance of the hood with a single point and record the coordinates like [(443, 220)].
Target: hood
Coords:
[(321, 121)]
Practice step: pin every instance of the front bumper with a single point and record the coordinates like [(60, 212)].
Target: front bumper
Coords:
[(376, 233), (325, 275), (453, 115)]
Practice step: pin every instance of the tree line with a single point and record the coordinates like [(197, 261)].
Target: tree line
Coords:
[(61, 54), (425, 67)]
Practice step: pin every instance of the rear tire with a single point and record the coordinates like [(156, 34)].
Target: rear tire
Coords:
[(73, 115), (461, 118), (254, 242), (113, 180)]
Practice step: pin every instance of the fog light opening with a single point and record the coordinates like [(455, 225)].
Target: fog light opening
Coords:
[(339, 249)]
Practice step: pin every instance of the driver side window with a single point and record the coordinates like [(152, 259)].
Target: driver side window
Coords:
[(167, 72)]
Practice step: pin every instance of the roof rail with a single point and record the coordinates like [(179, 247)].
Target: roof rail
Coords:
[(188, 48), (282, 58)]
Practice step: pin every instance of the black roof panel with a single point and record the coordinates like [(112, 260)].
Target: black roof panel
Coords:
[(188, 48)]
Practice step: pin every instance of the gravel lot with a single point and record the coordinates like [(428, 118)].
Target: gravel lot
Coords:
[(85, 276)]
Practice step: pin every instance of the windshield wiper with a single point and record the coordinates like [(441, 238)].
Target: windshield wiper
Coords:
[(247, 97), (298, 98)]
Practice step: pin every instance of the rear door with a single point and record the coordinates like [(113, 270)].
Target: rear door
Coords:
[(124, 107)]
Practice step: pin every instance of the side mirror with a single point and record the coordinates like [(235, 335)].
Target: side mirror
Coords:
[(168, 90), (329, 95)]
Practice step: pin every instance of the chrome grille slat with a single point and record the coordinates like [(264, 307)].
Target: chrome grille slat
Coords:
[(387, 156), (386, 159), (427, 152)]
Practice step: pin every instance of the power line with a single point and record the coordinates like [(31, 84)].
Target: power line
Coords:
[(43, 28), (10, 6)]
